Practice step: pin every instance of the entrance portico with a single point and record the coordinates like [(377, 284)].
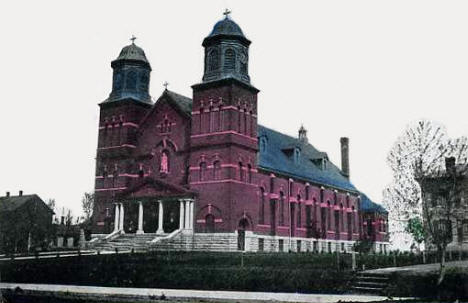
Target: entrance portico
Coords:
[(154, 206), (166, 221)]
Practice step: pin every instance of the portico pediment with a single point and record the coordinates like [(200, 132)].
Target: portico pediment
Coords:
[(149, 187)]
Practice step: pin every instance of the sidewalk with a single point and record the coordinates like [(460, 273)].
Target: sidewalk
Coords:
[(151, 293)]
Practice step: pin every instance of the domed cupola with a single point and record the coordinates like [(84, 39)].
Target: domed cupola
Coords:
[(226, 52), (131, 75)]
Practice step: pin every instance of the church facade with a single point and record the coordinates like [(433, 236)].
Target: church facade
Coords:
[(200, 173)]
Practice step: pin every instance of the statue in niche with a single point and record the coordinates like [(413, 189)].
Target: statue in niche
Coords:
[(164, 167)]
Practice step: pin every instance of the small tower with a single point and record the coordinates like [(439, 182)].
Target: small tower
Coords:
[(131, 75), (226, 52), (224, 124), (303, 135), (119, 118)]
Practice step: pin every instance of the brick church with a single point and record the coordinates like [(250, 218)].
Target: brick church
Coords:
[(200, 173)]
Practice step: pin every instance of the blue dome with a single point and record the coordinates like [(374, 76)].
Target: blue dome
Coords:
[(226, 27)]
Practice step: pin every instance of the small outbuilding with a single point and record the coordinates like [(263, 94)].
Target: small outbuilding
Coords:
[(25, 223)]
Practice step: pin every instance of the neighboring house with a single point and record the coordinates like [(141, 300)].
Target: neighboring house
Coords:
[(447, 195), (25, 223), (205, 166)]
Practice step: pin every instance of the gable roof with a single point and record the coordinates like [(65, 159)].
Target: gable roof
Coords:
[(273, 158), (14, 202), (183, 103)]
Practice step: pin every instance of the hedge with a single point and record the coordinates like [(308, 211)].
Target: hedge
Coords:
[(184, 270), (454, 286)]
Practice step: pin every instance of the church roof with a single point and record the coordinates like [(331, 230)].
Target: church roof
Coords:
[(182, 102), (368, 205), (274, 158), (132, 52), (226, 26)]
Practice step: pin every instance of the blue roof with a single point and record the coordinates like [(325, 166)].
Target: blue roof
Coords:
[(226, 27), (274, 158), (368, 205)]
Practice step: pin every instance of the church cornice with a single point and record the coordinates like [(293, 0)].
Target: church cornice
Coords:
[(224, 82)]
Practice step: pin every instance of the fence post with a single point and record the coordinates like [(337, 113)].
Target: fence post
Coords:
[(338, 259), (424, 256), (394, 259), (460, 252), (353, 260)]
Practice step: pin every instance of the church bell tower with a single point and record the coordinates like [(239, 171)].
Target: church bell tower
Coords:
[(119, 118), (224, 126)]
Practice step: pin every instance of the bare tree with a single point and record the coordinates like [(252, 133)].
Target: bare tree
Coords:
[(418, 162), (51, 203), (87, 203)]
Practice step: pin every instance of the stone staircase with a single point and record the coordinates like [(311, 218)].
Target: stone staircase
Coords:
[(127, 242), (198, 242), (370, 283)]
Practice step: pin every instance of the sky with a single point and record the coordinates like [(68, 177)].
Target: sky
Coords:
[(360, 69)]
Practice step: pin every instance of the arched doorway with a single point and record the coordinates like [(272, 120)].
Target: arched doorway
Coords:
[(243, 226), (210, 223)]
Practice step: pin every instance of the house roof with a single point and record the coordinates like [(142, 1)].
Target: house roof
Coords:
[(13, 202)]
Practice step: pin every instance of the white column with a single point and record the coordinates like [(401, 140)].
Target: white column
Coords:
[(140, 218), (116, 217), (160, 218), (181, 214), (187, 214), (190, 214), (122, 217)]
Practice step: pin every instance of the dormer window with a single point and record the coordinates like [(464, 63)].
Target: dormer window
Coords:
[(320, 163), (263, 144), (297, 155)]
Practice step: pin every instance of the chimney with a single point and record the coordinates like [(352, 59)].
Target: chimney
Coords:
[(450, 165), (7, 194), (20, 193), (345, 156)]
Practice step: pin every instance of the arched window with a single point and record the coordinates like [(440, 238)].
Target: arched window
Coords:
[(141, 172), (249, 173), (239, 119), (201, 119), (261, 210), (202, 171), (213, 60), (341, 217), (281, 219), (164, 162), (229, 59), (241, 172), (216, 170), (210, 223), (131, 80), (299, 211)]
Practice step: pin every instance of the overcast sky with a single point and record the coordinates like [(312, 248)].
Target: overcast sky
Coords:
[(361, 69)]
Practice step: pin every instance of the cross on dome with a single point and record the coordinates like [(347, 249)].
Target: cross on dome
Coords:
[(166, 84), (226, 12), (133, 38)]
